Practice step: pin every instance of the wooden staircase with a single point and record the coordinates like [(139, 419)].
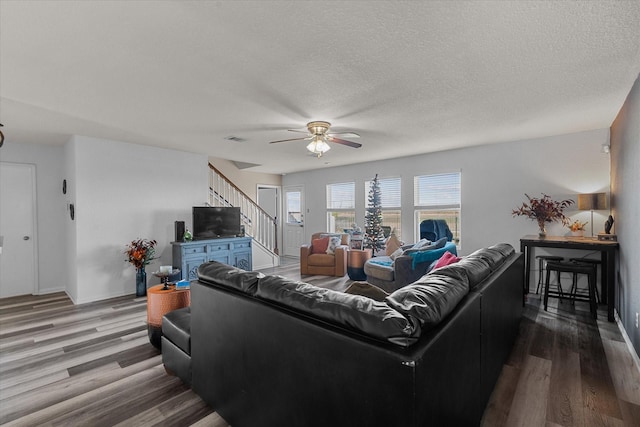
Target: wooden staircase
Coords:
[(257, 223)]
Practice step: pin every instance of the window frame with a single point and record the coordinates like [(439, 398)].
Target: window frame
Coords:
[(350, 208), (453, 199)]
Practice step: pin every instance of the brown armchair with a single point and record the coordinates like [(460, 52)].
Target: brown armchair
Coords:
[(322, 263)]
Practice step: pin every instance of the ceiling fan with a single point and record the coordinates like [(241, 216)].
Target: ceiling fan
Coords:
[(318, 133)]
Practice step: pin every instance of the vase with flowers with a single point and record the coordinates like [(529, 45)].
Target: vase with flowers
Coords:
[(141, 252), (577, 228), (544, 210)]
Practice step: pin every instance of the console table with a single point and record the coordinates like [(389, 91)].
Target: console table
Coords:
[(187, 256), (607, 249)]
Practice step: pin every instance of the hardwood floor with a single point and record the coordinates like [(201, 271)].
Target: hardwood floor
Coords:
[(92, 365)]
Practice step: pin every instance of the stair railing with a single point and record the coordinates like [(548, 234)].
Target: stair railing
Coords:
[(256, 222)]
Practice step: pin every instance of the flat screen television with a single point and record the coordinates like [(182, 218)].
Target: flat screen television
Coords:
[(215, 222)]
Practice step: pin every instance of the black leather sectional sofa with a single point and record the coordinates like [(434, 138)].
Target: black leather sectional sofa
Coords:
[(269, 351)]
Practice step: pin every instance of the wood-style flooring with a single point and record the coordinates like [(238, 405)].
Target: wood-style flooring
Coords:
[(92, 365)]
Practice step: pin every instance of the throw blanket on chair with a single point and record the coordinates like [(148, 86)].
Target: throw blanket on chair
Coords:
[(434, 229)]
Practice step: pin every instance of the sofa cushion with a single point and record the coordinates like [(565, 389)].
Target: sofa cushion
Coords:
[(476, 268), (367, 290), (217, 272), (357, 312), (176, 327), (493, 256), (430, 299), (504, 248), (321, 260), (319, 246)]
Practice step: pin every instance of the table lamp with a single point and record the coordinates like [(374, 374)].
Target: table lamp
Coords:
[(592, 202)]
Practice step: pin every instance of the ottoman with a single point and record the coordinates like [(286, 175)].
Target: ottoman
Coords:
[(176, 343)]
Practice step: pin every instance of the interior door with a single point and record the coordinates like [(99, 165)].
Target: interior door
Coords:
[(293, 220), (17, 225)]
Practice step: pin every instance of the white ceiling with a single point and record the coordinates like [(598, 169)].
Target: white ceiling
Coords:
[(409, 77)]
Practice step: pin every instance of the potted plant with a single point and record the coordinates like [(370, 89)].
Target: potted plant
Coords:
[(577, 228), (140, 252), (544, 210)]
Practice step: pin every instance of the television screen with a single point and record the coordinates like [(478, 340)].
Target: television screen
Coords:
[(215, 222)]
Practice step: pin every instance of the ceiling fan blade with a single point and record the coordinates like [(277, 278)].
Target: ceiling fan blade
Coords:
[(344, 134), (298, 130), (344, 142), (287, 140)]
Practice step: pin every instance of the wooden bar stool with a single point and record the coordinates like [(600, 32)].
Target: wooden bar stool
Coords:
[(542, 260), (574, 269), (595, 263)]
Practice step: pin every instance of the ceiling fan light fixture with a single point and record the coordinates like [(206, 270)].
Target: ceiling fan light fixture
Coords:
[(318, 145)]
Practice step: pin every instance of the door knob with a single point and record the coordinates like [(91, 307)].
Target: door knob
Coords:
[(26, 238)]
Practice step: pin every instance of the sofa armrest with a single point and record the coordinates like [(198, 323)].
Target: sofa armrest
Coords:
[(341, 260), (305, 251)]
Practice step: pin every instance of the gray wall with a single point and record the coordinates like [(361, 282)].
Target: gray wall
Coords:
[(625, 188)]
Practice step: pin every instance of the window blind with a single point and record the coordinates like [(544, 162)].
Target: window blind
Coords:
[(439, 191), (341, 195), (390, 192)]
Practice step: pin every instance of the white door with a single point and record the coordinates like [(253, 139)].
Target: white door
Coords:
[(17, 225), (293, 220)]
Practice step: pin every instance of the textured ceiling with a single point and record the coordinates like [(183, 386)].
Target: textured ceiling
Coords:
[(409, 77)]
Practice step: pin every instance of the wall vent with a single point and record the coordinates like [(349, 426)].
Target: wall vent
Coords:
[(235, 138)]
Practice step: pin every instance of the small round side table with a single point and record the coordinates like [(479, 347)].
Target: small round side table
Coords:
[(159, 303), (355, 263)]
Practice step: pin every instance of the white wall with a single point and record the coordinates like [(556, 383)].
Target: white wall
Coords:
[(71, 236), (494, 180), (122, 192), (50, 209), (245, 180)]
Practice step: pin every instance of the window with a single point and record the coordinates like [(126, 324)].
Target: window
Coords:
[(294, 213), (390, 201), (438, 197), (341, 212)]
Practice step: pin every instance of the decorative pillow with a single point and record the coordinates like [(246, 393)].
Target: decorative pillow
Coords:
[(396, 254), (367, 290), (319, 246), (393, 243), (421, 243), (446, 259), (427, 247), (334, 242)]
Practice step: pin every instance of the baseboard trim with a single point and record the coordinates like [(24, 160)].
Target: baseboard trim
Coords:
[(627, 340)]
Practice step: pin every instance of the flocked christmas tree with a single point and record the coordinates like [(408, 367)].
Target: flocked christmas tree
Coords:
[(373, 234)]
